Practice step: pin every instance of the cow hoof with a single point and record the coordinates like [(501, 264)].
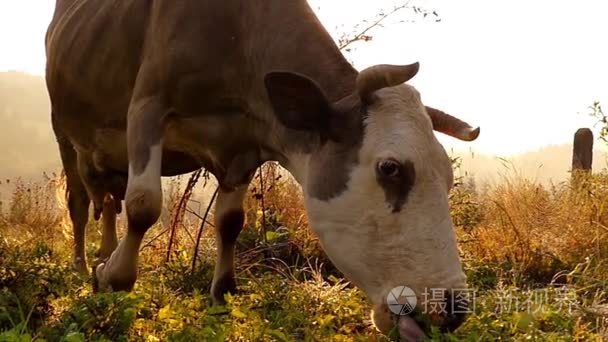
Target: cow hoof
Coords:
[(80, 266), (218, 301), (104, 281), (225, 284), (99, 285)]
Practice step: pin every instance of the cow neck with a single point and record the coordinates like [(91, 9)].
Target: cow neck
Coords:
[(297, 42), (298, 147)]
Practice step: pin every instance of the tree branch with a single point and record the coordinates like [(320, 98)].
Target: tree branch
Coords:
[(346, 41)]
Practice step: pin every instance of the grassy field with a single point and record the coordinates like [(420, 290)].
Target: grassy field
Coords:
[(537, 257)]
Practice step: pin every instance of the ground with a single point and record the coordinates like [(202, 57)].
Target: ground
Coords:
[(536, 256)]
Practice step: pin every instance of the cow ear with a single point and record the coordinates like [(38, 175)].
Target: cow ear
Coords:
[(298, 102)]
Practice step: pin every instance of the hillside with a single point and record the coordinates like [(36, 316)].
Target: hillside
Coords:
[(519, 239), (25, 129), (535, 257), (25, 123), (549, 164)]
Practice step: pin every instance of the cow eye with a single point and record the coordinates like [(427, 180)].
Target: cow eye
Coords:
[(388, 168)]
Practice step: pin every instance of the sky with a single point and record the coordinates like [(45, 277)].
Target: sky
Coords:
[(524, 71)]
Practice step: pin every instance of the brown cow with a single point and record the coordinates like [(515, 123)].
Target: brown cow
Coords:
[(142, 89)]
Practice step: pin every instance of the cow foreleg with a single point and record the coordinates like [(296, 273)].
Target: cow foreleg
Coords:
[(143, 199), (229, 218)]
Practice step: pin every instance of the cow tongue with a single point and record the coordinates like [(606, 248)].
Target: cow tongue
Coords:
[(409, 330)]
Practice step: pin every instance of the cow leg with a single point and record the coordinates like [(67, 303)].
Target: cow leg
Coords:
[(91, 179), (143, 198), (109, 240), (78, 202), (229, 218)]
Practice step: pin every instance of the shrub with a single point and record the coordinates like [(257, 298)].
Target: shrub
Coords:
[(517, 237)]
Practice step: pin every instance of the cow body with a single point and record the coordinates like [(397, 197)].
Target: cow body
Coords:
[(142, 89), (206, 59)]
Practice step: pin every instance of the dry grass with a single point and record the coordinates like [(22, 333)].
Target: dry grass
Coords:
[(535, 231), (513, 235)]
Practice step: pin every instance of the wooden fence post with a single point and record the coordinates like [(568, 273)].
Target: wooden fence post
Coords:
[(582, 150)]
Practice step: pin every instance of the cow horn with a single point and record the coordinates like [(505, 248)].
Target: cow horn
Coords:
[(447, 124), (381, 76)]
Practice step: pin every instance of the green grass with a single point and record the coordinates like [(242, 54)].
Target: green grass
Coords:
[(288, 291)]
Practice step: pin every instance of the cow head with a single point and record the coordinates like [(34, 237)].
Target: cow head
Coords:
[(376, 184)]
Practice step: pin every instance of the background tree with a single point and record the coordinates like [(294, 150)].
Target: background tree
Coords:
[(602, 120)]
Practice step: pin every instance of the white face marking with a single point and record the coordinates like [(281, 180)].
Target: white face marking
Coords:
[(379, 249)]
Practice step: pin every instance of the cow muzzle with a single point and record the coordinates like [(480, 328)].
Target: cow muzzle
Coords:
[(416, 325)]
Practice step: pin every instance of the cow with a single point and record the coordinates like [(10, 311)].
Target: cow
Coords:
[(144, 89)]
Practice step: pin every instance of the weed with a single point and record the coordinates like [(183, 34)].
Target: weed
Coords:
[(537, 257)]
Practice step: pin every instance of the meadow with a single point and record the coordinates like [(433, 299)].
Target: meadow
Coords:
[(536, 255)]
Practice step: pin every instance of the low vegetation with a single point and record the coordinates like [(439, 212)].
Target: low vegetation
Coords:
[(537, 257)]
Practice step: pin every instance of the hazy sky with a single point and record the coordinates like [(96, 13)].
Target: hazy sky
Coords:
[(520, 69)]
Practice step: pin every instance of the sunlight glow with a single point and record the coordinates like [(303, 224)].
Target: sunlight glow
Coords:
[(524, 71)]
